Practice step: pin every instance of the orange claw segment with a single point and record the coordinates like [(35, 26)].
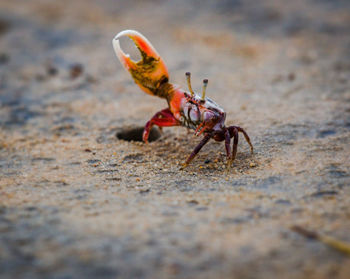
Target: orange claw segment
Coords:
[(148, 73), (143, 44)]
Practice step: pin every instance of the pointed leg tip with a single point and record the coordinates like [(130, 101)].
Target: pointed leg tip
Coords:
[(145, 140), (229, 164), (183, 166)]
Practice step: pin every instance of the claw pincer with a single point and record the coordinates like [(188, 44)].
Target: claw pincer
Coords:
[(184, 108), (150, 72)]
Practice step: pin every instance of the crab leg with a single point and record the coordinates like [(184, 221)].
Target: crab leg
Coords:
[(246, 138), (163, 118), (234, 145), (227, 146), (197, 149), (233, 131)]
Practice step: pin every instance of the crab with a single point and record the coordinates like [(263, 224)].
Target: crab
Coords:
[(185, 108)]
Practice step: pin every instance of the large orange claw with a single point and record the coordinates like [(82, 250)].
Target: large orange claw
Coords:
[(150, 72)]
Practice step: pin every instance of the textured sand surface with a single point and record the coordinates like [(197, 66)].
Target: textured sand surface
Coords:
[(77, 202)]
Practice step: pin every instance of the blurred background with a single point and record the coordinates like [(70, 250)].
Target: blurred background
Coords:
[(53, 46), (77, 202)]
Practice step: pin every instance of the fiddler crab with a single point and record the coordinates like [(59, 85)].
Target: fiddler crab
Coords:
[(187, 109)]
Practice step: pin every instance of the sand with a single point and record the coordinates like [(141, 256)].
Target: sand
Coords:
[(77, 202)]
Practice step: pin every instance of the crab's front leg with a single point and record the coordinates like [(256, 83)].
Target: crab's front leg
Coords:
[(203, 142), (228, 148), (163, 118), (235, 129), (234, 147)]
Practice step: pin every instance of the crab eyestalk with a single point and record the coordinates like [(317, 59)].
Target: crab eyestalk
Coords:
[(188, 78), (150, 72), (205, 84)]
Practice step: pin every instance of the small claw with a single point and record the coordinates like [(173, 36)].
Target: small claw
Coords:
[(151, 70), (199, 130)]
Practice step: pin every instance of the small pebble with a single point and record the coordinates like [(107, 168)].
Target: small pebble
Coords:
[(4, 58), (143, 191), (76, 70), (291, 76), (51, 70), (192, 202)]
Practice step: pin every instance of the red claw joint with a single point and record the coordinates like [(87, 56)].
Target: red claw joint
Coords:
[(185, 108)]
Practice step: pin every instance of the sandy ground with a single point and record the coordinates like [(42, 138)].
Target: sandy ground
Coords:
[(77, 202)]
